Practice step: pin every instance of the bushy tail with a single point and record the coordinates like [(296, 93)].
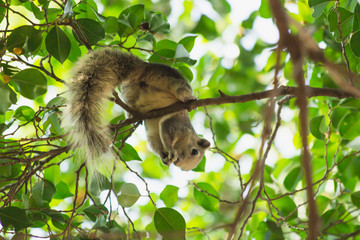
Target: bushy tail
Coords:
[(95, 76)]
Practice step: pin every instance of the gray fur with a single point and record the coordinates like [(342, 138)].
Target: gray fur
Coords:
[(144, 87)]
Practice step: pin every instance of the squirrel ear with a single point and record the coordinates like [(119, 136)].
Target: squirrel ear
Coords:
[(203, 143)]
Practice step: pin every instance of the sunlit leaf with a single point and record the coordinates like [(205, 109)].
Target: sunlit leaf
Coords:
[(25, 35), (31, 83), (24, 113), (293, 178), (319, 6), (169, 223), (205, 196), (169, 195), (129, 194)]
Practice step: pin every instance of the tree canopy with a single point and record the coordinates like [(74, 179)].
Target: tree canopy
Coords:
[(278, 90)]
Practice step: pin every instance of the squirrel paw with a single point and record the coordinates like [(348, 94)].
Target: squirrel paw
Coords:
[(169, 157), (185, 95)]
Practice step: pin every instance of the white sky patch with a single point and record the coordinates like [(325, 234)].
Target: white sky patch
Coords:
[(284, 143), (266, 30), (241, 9), (246, 142)]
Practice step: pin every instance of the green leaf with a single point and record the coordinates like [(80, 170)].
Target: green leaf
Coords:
[(188, 42), (318, 127), (5, 93), (346, 23), (354, 43), (286, 205), (58, 44), (350, 126), (14, 216), (93, 30), (355, 199), (337, 115), (206, 27), (305, 12), (2, 11), (24, 113), (329, 217), (276, 232), (100, 223), (129, 194), (221, 6), (31, 83), (25, 37), (62, 191), (157, 22), (111, 25), (98, 183), (322, 203), (181, 52), (68, 11), (265, 10), (201, 166), (128, 153), (182, 55), (319, 6), (130, 19), (94, 211), (169, 195), (43, 192), (169, 223), (204, 198), (293, 178), (166, 44), (56, 102), (351, 103), (58, 220), (186, 72)]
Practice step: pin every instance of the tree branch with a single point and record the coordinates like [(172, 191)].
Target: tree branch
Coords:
[(223, 99)]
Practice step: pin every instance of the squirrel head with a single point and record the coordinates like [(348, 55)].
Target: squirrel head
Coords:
[(191, 151)]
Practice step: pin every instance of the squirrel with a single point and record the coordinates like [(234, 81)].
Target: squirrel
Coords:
[(144, 87)]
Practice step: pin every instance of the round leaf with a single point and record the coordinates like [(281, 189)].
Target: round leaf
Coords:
[(24, 113), (58, 44), (204, 198), (129, 194), (128, 153), (31, 83), (169, 223), (188, 42), (25, 37), (354, 43), (169, 195)]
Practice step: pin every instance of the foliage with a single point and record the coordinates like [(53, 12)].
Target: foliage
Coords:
[(252, 184)]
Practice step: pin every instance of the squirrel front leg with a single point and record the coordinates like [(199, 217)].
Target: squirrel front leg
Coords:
[(168, 80), (168, 138)]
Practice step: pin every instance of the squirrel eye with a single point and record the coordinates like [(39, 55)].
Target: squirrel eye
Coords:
[(194, 151)]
